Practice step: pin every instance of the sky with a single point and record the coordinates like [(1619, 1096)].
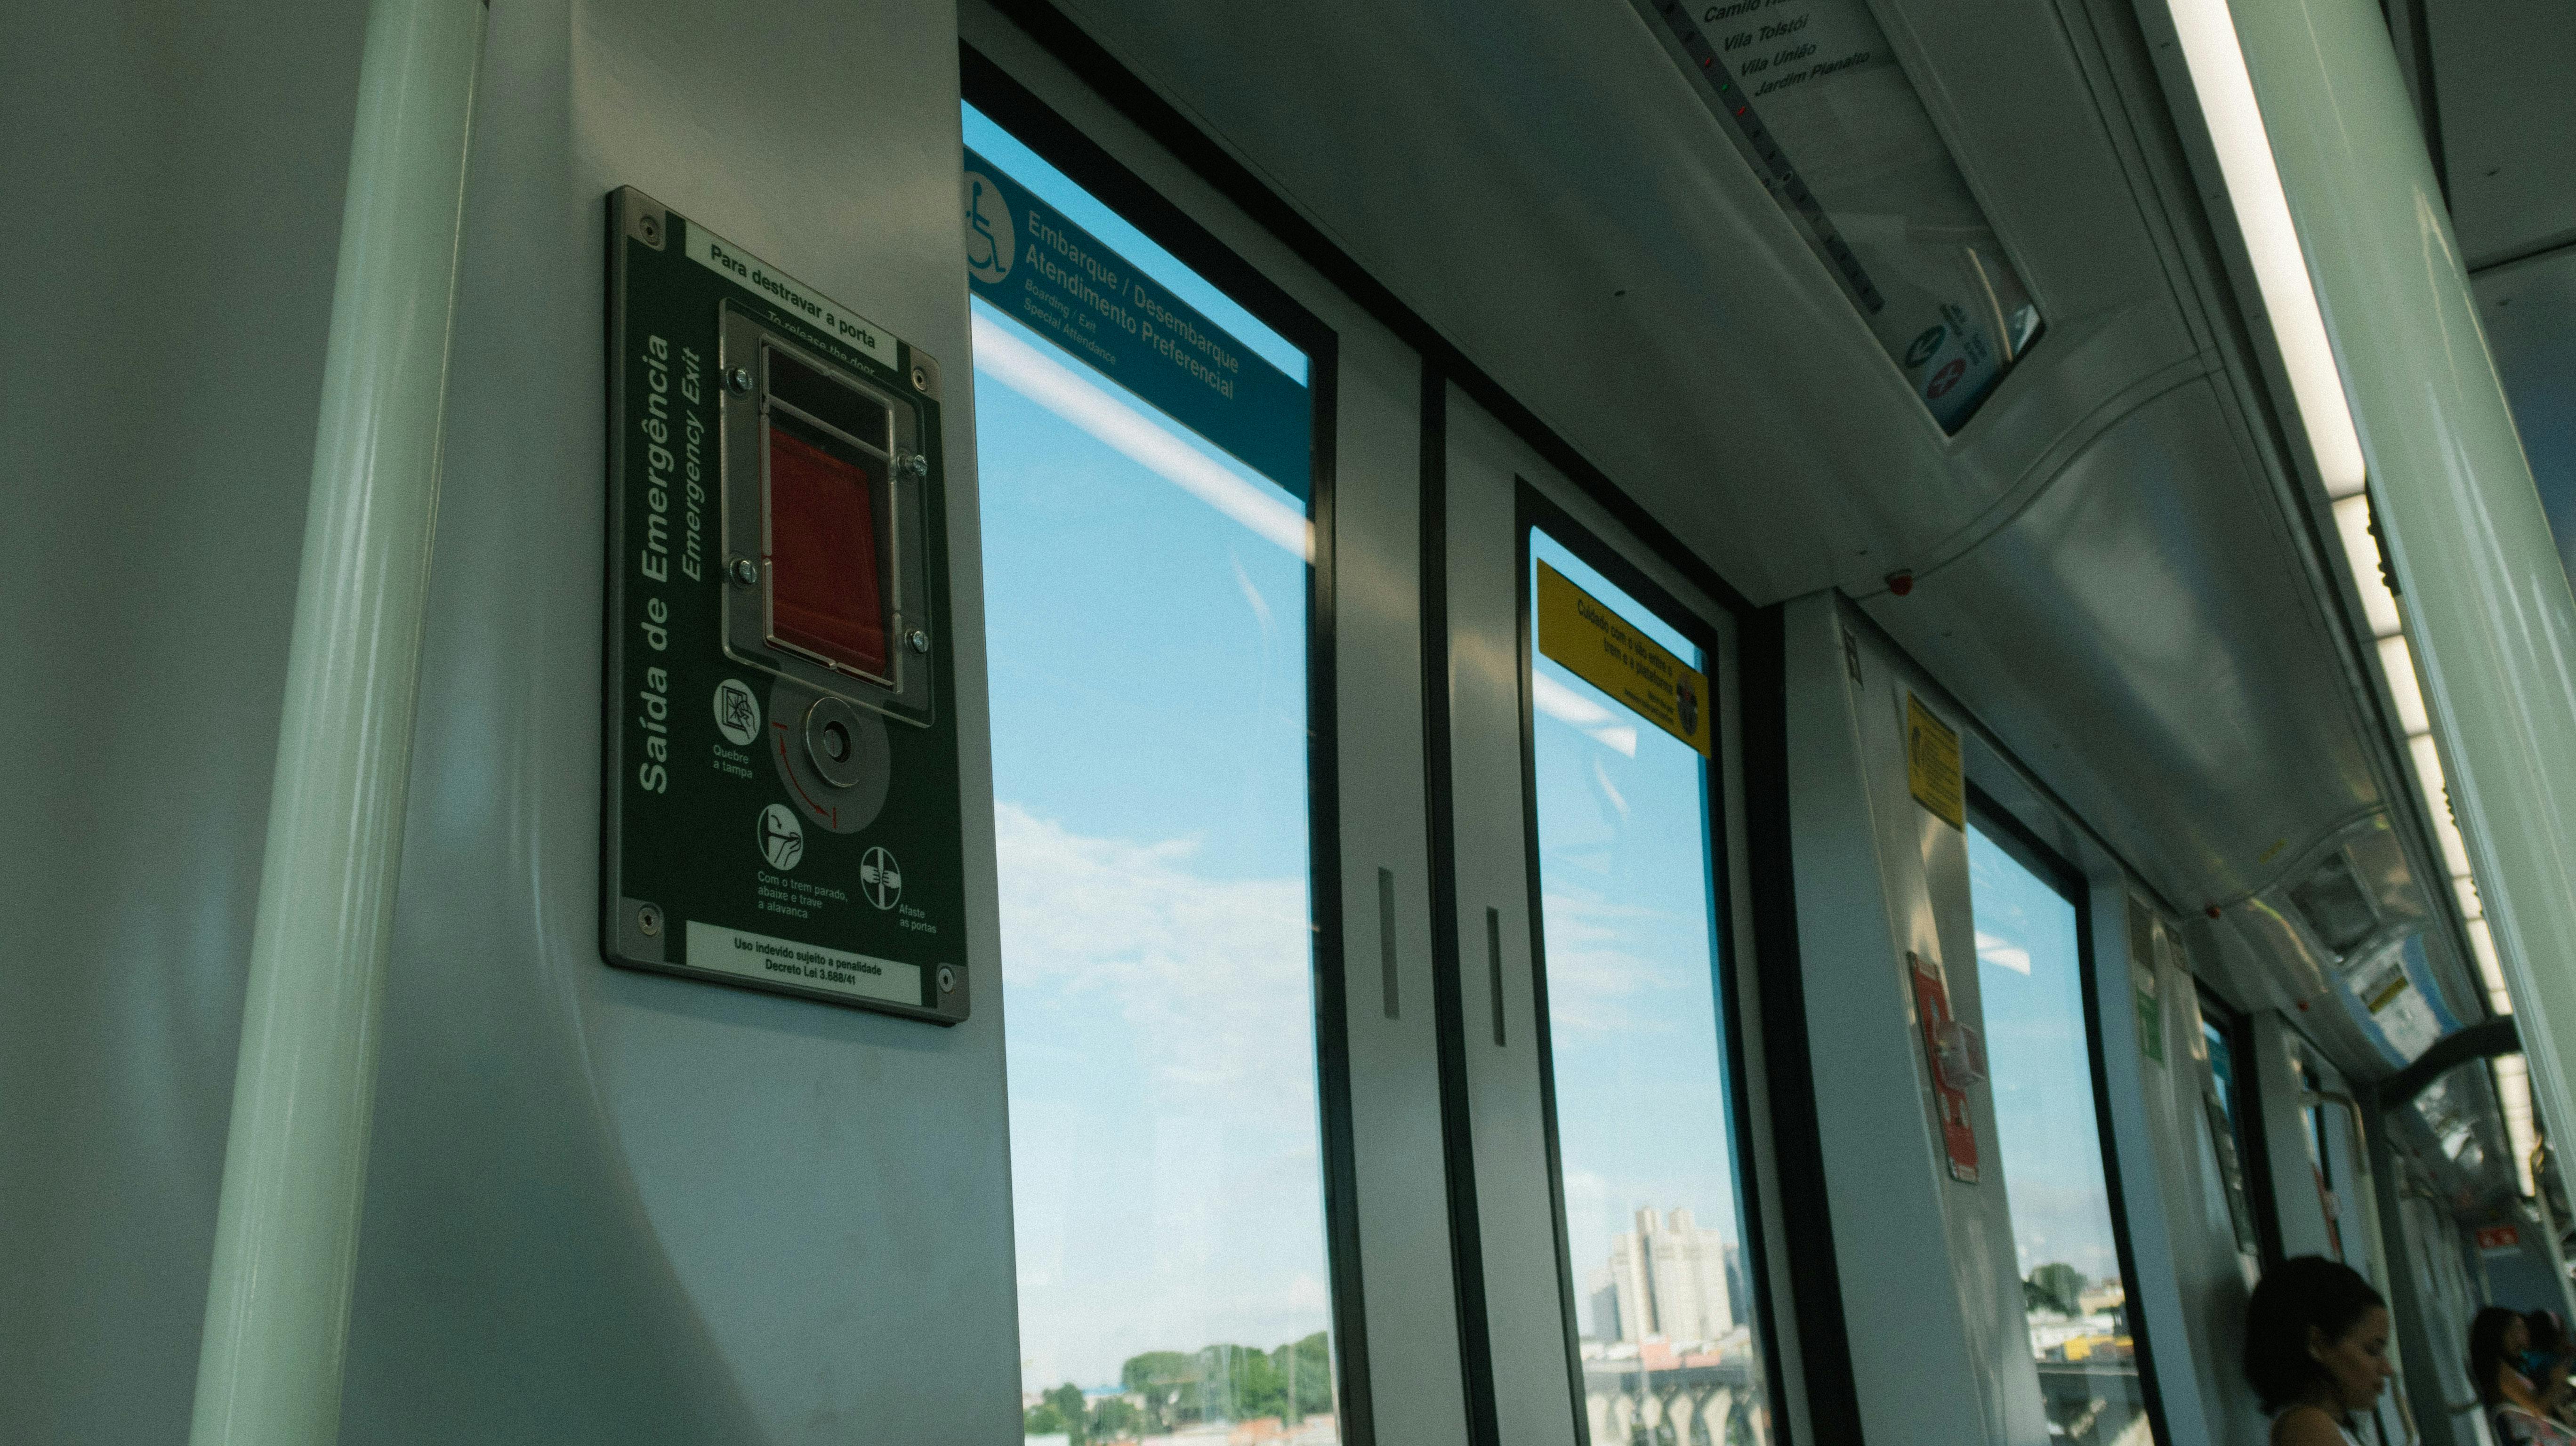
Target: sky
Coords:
[(2041, 1070)]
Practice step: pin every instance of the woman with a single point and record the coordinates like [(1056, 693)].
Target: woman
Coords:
[(2513, 1379), (2316, 1350)]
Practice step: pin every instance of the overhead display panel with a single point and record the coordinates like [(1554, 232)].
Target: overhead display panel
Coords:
[(1811, 94), (782, 805)]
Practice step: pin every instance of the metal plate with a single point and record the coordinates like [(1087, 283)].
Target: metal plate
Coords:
[(732, 851)]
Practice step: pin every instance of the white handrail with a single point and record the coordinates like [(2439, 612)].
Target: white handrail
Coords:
[(277, 1304)]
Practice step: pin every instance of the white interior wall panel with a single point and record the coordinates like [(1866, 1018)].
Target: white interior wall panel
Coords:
[(1403, 1224), (2182, 1229), (604, 1206), (2298, 1200), (2197, 1220), (690, 1213), (1516, 1206), (1880, 878), (175, 187)]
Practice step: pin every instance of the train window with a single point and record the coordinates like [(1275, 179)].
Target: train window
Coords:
[(2229, 1122), (1146, 611), (2222, 1069), (2321, 1158), (1634, 1017), (2030, 975)]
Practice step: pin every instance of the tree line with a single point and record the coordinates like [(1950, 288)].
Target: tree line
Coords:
[(1164, 1390)]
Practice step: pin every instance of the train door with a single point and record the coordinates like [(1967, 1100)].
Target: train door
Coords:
[(1602, 1012)]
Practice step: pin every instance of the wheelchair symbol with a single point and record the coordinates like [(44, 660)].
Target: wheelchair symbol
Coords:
[(991, 240)]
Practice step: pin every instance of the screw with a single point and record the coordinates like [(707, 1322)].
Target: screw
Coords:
[(649, 920), (914, 463), (651, 228), (745, 572), (947, 980), (920, 640), (921, 379), (739, 379)]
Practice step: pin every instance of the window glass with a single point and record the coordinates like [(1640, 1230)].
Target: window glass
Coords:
[(2321, 1160), (2030, 978), (2230, 1160), (1145, 597), (1654, 1226), (2222, 1070)]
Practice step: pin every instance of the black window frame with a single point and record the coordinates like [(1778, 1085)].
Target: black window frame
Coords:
[(2255, 1158), (989, 88), (1535, 512)]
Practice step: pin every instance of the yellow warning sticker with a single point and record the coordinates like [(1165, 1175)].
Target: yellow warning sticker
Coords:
[(1932, 764), (1598, 646)]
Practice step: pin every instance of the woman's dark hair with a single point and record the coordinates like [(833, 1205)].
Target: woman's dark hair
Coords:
[(2486, 1350), (2548, 1336), (2301, 1294)]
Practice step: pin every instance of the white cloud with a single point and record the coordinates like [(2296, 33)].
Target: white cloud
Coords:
[(1167, 1176), (1251, 594), (1601, 956), (1555, 700), (2002, 953), (1609, 790), (1217, 972)]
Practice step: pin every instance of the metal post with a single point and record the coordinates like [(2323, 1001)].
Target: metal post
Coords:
[(277, 1306), (2492, 625)]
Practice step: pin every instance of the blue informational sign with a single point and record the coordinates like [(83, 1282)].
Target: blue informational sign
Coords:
[(1068, 286)]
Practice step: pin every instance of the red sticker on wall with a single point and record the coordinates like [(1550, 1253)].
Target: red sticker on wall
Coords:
[(1932, 1009)]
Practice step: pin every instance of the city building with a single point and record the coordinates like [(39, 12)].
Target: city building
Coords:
[(1667, 1279)]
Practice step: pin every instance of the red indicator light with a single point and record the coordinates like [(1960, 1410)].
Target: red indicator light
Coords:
[(1900, 583), (825, 593)]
